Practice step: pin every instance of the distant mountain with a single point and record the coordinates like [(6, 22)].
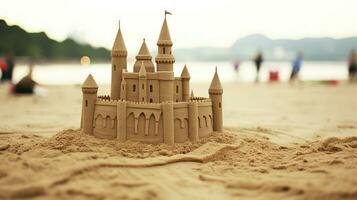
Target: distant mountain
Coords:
[(40, 46), (282, 49)]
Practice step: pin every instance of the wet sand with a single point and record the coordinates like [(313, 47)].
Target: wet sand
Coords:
[(280, 142)]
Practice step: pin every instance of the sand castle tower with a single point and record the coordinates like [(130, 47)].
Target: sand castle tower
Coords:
[(164, 63), (89, 90), (215, 94), (164, 59), (119, 62), (185, 77)]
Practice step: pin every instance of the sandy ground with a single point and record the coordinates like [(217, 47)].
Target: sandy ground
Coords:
[(280, 142)]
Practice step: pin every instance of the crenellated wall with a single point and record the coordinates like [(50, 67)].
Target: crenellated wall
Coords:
[(144, 122)]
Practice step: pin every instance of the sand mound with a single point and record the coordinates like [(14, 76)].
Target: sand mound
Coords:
[(234, 165), (75, 141), (69, 141)]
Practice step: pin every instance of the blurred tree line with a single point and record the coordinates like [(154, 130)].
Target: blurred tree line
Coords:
[(40, 46)]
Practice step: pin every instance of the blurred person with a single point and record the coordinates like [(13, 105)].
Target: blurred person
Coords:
[(258, 60), (236, 64), (7, 68), (352, 66), (26, 85), (296, 66)]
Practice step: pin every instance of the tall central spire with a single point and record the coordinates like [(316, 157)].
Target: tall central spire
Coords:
[(164, 58), (164, 37)]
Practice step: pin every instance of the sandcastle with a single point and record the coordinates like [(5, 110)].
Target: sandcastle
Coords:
[(147, 105)]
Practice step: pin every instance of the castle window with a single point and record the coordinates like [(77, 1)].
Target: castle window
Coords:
[(134, 88), (142, 99), (115, 67), (142, 86), (150, 100), (219, 105), (150, 88), (163, 50), (86, 103), (177, 89)]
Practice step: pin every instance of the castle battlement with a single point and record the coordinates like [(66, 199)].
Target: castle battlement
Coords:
[(103, 97), (150, 104), (106, 101)]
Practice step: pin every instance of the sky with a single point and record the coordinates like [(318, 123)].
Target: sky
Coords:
[(217, 23)]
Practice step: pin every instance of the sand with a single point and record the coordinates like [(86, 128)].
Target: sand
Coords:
[(279, 142)]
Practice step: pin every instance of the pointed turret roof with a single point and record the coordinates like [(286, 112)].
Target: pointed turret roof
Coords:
[(89, 82), (142, 72), (184, 73), (192, 95), (119, 44), (216, 83), (164, 37), (144, 49)]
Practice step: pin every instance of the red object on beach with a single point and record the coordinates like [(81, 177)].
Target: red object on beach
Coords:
[(333, 82), (3, 65), (273, 76)]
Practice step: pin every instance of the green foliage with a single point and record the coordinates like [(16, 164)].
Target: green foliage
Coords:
[(40, 46)]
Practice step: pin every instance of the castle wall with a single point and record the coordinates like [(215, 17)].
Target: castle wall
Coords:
[(153, 90), (105, 119), (149, 122), (181, 121), (132, 89), (144, 122), (205, 117)]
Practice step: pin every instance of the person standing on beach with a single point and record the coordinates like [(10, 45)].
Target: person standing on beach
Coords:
[(352, 66), (258, 60), (296, 65), (8, 69)]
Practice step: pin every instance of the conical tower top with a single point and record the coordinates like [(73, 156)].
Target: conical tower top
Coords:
[(89, 83), (215, 86), (142, 72), (164, 38), (184, 73), (119, 44), (144, 51)]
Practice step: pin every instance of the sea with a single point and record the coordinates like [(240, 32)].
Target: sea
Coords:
[(201, 72)]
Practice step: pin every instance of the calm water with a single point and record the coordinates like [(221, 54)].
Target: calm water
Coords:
[(200, 72)]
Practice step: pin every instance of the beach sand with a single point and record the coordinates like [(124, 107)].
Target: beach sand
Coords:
[(279, 142)]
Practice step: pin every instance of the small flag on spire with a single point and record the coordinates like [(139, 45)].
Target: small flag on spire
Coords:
[(167, 13)]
